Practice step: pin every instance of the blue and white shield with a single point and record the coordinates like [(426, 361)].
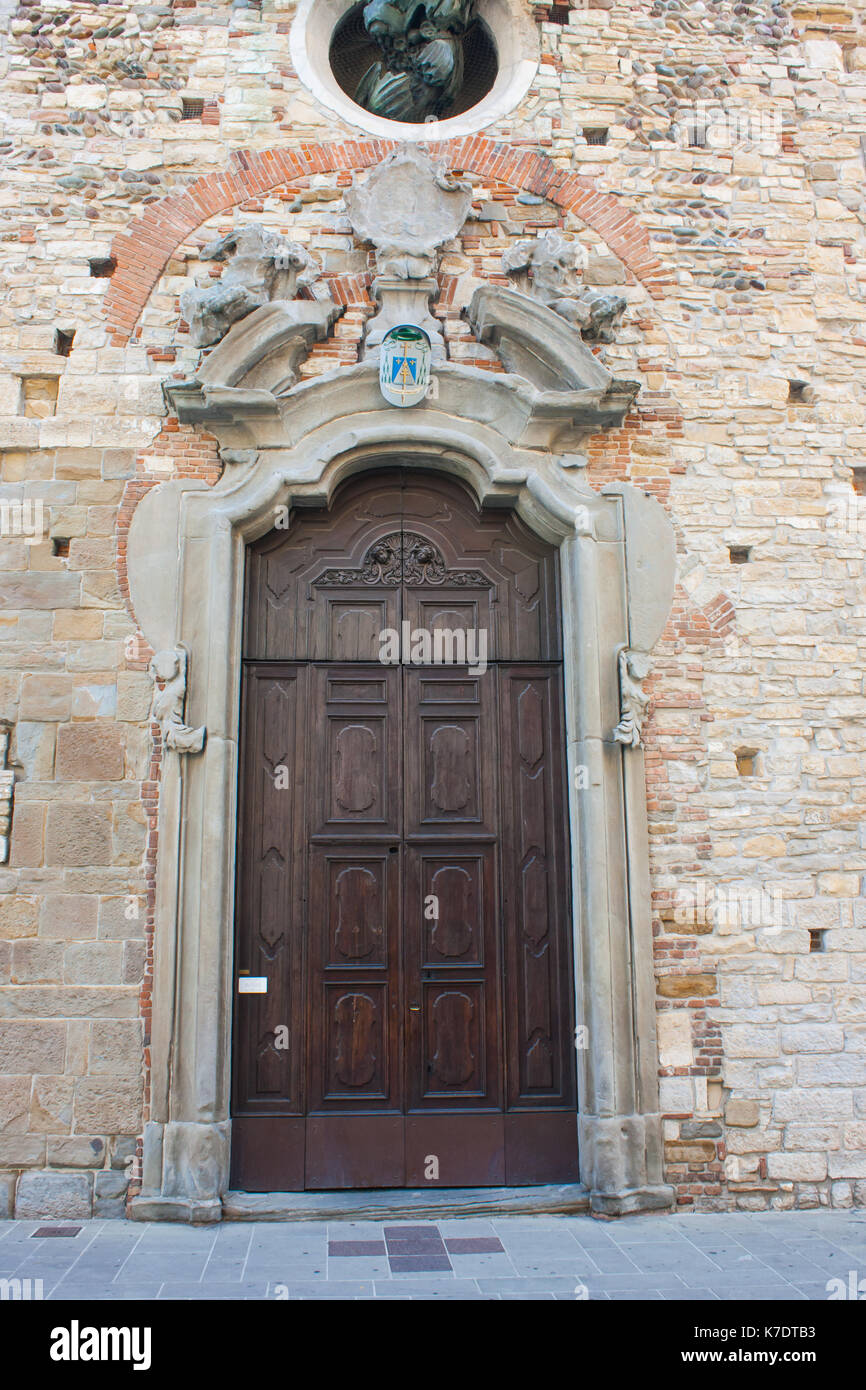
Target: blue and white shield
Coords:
[(404, 365)]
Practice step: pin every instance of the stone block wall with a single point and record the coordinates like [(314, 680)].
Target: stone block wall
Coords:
[(726, 204)]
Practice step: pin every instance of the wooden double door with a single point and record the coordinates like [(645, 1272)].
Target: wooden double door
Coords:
[(403, 903)]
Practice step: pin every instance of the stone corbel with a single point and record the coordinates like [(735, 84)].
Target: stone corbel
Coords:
[(633, 700), (7, 782), (168, 670)]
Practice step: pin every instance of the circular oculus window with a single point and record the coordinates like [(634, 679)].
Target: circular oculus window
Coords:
[(493, 62)]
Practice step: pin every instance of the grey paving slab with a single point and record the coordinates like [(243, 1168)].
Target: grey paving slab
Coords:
[(712, 1257)]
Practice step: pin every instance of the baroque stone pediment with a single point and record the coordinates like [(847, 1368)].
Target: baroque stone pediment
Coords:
[(535, 342)]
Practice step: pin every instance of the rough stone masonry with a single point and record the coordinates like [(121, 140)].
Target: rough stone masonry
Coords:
[(719, 152)]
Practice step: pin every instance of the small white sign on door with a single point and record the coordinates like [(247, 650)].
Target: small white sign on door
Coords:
[(252, 984)]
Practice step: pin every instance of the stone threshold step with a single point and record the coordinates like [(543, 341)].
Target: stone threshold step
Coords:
[(373, 1205)]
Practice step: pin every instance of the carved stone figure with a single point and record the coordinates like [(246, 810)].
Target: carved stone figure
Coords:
[(169, 669), (633, 701), (550, 267), (260, 266), (7, 782), (421, 68)]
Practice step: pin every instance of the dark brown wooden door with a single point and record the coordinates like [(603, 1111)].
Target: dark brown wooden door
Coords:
[(403, 854)]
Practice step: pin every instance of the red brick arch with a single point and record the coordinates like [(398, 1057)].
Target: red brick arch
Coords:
[(142, 252)]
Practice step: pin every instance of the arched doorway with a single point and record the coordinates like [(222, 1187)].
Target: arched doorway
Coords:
[(402, 904)]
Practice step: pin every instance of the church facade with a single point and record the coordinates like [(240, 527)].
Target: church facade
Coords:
[(432, 524)]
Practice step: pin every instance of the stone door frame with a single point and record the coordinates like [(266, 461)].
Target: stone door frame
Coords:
[(186, 555)]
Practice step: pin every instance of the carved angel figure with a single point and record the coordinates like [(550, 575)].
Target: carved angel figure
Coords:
[(260, 266), (421, 69), (550, 267)]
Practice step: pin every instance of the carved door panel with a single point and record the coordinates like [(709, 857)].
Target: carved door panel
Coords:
[(403, 886), (354, 974)]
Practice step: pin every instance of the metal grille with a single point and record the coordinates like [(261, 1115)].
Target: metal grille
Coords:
[(353, 51)]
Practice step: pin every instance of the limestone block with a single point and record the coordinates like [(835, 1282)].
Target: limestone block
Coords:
[(800, 1167), (86, 96), (58, 1195), (676, 1095), (36, 962), (28, 836), (89, 753), (812, 1037), (134, 695), (753, 1141), (93, 963), (68, 1002), (39, 590), (28, 1046), (75, 1151), (674, 1039), (822, 55), (815, 1104), (743, 1113), (847, 1165), (107, 1106), (78, 836), (46, 697), (34, 750), (116, 1048), (848, 1069), (96, 699), (17, 918), (14, 1104), (68, 916), (815, 1138), (22, 1151), (751, 1040), (51, 1104)]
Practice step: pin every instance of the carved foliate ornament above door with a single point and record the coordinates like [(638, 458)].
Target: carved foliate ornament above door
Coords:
[(403, 557)]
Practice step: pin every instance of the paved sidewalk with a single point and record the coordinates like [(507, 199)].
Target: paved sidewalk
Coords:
[(784, 1255)]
